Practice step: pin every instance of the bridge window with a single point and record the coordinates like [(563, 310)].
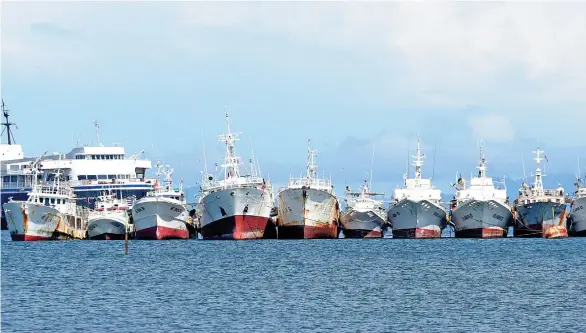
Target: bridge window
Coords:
[(92, 177)]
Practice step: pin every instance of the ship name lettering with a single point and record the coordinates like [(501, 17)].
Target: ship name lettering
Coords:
[(578, 208), (498, 217), (436, 214), (466, 217)]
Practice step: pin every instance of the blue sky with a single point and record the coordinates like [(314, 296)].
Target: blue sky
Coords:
[(157, 76)]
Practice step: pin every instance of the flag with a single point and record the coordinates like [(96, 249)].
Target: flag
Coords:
[(545, 156)]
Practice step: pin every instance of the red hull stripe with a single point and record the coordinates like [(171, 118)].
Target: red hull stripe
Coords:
[(308, 232), (416, 233), (482, 233), (160, 232), (28, 238), (240, 227)]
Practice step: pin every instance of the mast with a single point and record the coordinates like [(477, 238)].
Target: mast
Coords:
[(97, 132), (7, 124), (538, 174), (482, 163), (372, 165), (231, 161), (418, 161), (311, 166), (168, 178)]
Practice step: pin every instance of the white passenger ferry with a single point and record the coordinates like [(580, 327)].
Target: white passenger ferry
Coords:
[(89, 170)]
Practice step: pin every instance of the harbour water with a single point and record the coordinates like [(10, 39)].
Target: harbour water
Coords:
[(343, 285)]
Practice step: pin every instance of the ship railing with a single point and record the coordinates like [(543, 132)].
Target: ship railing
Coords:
[(250, 182), (530, 193), (106, 181), (52, 189), (314, 183), (17, 185)]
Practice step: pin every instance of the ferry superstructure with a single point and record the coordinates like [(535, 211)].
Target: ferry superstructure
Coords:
[(162, 214), (235, 205), (416, 210), (540, 212), (365, 215), (89, 170), (481, 210), (308, 207)]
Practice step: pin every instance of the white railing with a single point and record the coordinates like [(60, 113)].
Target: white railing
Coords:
[(30, 183), (18, 185), (107, 181), (546, 193), (52, 190), (314, 183), (250, 181)]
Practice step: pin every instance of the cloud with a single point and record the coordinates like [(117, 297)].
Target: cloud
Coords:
[(460, 48), (491, 127), (455, 72)]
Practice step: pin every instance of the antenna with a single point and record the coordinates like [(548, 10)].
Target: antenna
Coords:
[(181, 184), (579, 175), (205, 161), (524, 173), (97, 132), (433, 167), (256, 164), (407, 164), (6, 124), (372, 165)]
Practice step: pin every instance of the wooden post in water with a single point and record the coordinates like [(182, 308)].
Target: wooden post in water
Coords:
[(126, 240)]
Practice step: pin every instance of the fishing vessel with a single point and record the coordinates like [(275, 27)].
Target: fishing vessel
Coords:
[(307, 206), (365, 215), (416, 210), (109, 219), (540, 212), (89, 170), (235, 204), (50, 212), (482, 209), (162, 214), (577, 218)]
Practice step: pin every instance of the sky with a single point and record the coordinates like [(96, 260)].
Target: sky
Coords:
[(352, 76)]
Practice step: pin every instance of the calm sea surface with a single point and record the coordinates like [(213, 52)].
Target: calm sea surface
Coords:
[(385, 285)]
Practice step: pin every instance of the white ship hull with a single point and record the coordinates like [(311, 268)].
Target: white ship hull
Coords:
[(481, 219), (307, 213), (112, 225), (541, 219), (237, 213), (31, 221), (160, 218), (416, 219), (578, 214)]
